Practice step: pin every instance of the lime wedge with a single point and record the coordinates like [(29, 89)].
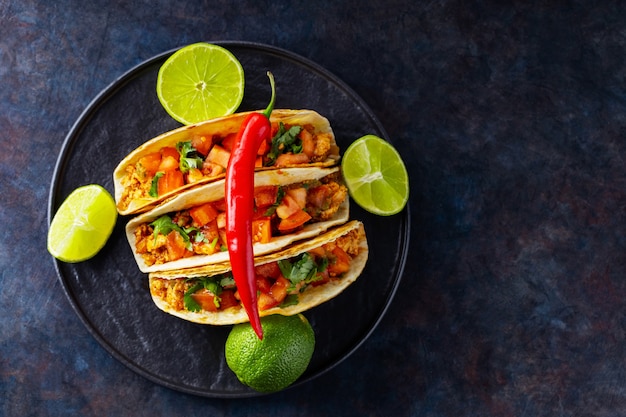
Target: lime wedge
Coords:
[(200, 81), (375, 175), (82, 224)]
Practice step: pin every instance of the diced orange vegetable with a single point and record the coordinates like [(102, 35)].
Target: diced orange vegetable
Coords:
[(229, 141), (258, 162), (228, 299), (266, 301), (170, 151), (270, 269), (287, 207), (341, 263), (205, 298), (263, 284), (202, 144), (279, 289), (170, 181), (175, 245), (203, 214), (220, 205), (295, 220), (151, 162), (168, 163), (288, 159), (299, 195), (262, 230), (263, 148), (265, 195), (194, 175), (219, 156)]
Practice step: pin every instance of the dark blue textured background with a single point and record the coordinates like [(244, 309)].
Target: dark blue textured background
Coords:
[(511, 118)]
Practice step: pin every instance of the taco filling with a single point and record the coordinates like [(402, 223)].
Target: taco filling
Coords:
[(204, 157), (200, 230), (279, 282)]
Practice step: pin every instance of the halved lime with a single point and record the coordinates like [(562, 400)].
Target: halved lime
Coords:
[(376, 176), (82, 224), (199, 82)]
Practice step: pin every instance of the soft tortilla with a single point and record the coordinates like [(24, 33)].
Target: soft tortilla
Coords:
[(219, 126), (214, 192), (311, 297)]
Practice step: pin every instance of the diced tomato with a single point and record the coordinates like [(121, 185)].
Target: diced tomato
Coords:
[(263, 284), (170, 151), (203, 214), (228, 299), (151, 162), (341, 263), (220, 205), (308, 143), (295, 220), (168, 163), (266, 301), (270, 269), (219, 156), (265, 195), (299, 195), (202, 144), (275, 127), (279, 290), (287, 207), (170, 181), (229, 141), (206, 299), (175, 245), (322, 278), (289, 159), (262, 230), (263, 148)]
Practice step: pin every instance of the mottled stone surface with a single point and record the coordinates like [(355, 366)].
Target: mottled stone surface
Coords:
[(511, 118)]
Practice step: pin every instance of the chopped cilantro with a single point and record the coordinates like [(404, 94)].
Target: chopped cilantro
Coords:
[(304, 268), (290, 300), (154, 187), (285, 140), (164, 225), (189, 157), (211, 284)]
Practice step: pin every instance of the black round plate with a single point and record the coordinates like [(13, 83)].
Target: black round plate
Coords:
[(110, 294)]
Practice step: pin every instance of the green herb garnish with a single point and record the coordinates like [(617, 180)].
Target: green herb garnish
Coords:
[(189, 157), (285, 140), (154, 187), (164, 225)]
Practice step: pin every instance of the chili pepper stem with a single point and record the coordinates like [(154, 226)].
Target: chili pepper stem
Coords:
[(270, 107)]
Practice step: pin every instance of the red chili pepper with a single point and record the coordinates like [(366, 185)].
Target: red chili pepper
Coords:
[(240, 206)]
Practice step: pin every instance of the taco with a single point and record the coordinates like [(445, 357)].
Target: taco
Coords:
[(198, 154), (189, 230), (291, 281)]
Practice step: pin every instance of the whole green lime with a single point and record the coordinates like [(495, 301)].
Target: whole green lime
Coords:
[(276, 361)]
